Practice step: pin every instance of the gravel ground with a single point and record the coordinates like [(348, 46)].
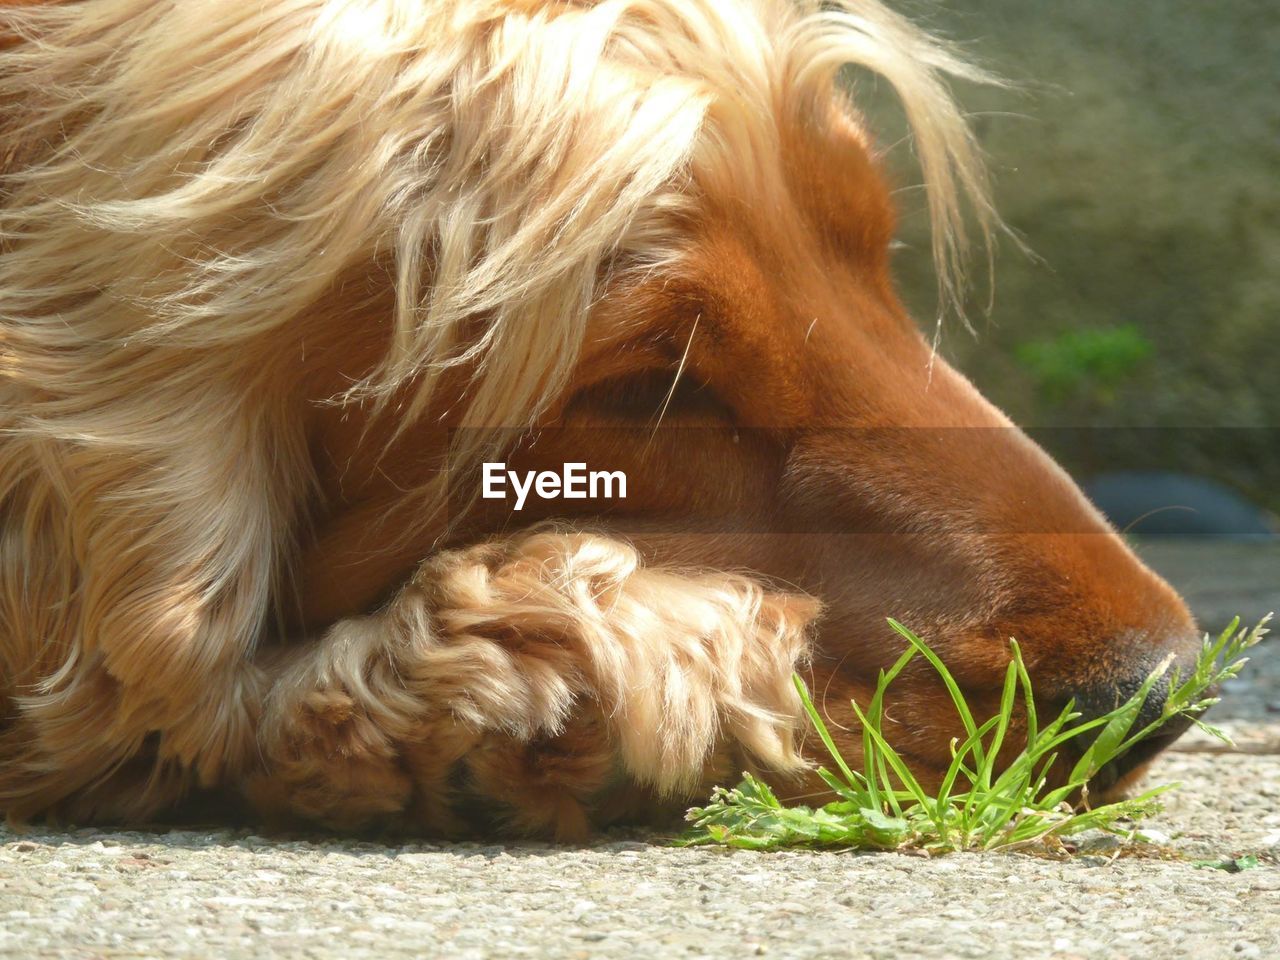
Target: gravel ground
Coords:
[(184, 893)]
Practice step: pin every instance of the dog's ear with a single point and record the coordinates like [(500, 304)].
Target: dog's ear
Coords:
[(150, 466), (195, 212)]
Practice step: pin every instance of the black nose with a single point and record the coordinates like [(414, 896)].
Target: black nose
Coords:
[(1098, 701)]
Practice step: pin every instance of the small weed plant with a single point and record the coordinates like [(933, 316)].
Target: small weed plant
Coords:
[(977, 806)]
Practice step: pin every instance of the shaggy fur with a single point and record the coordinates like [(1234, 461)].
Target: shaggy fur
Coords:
[(238, 237), (494, 650)]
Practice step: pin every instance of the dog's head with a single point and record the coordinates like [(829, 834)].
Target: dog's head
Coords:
[(647, 235)]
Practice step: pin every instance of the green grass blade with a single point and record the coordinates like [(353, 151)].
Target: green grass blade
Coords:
[(823, 733), (873, 763), (1029, 702), (957, 766), (1002, 726), (895, 761), (957, 697)]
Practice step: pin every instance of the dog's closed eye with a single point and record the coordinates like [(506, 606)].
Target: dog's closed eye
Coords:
[(642, 399)]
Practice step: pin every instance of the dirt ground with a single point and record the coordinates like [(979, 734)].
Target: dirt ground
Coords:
[(223, 893)]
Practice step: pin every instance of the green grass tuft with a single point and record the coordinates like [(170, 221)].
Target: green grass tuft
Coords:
[(978, 806)]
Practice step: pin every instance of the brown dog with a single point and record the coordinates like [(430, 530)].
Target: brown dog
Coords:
[(275, 279)]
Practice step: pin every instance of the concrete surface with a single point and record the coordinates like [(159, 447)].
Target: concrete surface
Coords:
[(222, 893)]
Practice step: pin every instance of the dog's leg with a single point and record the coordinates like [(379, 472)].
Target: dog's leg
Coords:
[(526, 676)]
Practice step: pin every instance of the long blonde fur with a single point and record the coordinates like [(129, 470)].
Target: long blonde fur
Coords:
[(187, 187)]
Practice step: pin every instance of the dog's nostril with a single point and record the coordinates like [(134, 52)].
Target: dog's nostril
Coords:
[(1139, 753), (1135, 657), (1095, 702)]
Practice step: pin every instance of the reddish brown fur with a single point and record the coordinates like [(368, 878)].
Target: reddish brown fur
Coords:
[(786, 318)]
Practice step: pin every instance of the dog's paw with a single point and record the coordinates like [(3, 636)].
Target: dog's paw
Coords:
[(326, 760)]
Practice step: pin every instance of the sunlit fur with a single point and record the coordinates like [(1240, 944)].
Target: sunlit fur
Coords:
[(222, 223), (488, 657)]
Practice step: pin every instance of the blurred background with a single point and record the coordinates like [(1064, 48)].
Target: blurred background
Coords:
[(1138, 157)]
